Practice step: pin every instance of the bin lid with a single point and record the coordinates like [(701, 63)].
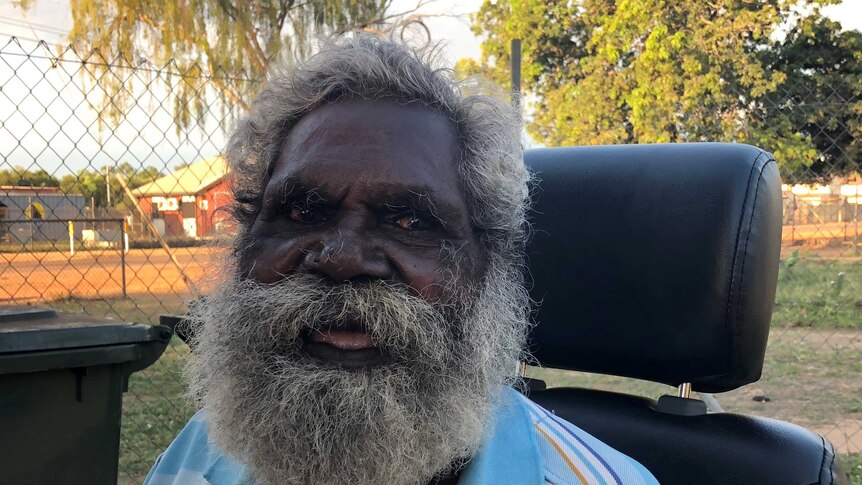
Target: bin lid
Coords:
[(27, 329)]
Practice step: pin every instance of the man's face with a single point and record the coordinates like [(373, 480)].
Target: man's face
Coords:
[(360, 340), (365, 191)]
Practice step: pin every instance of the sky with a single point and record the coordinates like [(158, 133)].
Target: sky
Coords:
[(51, 20), (35, 135), (448, 20)]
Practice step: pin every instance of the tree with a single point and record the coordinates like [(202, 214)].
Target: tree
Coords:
[(650, 71), (89, 183), (31, 178), (822, 94), (92, 183), (226, 45)]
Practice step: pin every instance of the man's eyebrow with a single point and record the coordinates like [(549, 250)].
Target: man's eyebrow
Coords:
[(420, 199), (417, 199), (290, 188)]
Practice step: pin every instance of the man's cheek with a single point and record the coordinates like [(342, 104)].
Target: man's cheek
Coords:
[(429, 273), (431, 285), (269, 258)]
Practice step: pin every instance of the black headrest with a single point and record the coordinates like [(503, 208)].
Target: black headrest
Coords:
[(657, 262)]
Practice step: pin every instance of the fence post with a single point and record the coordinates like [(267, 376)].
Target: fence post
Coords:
[(30, 223), (124, 242), (793, 218), (71, 239), (125, 236)]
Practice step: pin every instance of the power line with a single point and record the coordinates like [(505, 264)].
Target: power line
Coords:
[(33, 27), (31, 39), (21, 23), (25, 20)]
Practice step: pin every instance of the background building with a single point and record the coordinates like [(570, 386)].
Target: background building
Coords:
[(185, 203), (37, 213)]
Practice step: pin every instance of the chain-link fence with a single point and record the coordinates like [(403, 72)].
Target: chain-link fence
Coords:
[(92, 187), (813, 367), (70, 235)]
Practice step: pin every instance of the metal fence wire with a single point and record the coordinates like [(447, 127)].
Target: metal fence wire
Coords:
[(97, 176), (70, 236)]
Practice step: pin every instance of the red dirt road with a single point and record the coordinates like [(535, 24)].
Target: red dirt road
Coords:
[(45, 276)]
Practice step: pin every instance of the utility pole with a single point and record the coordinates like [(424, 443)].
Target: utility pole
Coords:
[(108, 185), (516, 73), (149, 223), (30, 217)]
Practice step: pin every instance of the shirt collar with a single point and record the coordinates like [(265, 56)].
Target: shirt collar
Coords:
[(510, 452)]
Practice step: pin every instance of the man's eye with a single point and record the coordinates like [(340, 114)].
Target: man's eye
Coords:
[(305, 215), (411, 222)]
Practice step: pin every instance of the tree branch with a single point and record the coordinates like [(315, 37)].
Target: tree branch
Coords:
[(255, 51), (286, 5), (234, 97)]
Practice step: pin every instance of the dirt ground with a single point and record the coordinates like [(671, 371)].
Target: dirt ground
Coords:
[(821, 233), (811, 377), (48, 276)]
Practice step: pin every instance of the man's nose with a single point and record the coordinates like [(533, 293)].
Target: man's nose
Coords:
[(347, 255)]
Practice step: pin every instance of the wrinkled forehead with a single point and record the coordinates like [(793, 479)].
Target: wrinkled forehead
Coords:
[(373, 145)]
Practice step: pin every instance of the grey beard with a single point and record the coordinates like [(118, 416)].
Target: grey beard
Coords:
[(291, 420)]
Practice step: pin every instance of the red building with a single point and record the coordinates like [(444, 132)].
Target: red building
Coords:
[(186, 202)]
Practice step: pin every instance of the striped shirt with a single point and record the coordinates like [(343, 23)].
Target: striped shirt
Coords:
[(525, 444), (572, 456)]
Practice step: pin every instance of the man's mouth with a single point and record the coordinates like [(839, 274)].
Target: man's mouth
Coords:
[(347, 346), (343, 339)]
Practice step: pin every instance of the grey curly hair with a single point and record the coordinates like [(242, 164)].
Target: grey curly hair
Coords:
[(369, 67), (426, 413)]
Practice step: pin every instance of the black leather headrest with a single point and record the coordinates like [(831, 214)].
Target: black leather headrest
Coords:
[(657, 262)]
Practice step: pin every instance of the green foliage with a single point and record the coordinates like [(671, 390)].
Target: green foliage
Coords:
[(32, 178), (217, 48), (654, 71), (822, 93)]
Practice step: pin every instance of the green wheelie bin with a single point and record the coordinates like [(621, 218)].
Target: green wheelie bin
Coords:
[(62, 379)]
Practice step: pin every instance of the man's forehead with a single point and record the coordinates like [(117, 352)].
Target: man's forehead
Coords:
[(329, 188), (380, 147)]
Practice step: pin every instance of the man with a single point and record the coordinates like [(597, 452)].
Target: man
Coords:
[(373, 311)]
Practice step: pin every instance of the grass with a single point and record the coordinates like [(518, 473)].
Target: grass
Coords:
[(852, 464), (144, 309), (818, 293), (812, 372), (154, 410)]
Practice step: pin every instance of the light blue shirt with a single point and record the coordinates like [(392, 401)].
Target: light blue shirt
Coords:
[(525, 444)]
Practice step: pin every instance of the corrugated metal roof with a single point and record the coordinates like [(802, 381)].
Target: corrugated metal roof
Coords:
[(190, 180)]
